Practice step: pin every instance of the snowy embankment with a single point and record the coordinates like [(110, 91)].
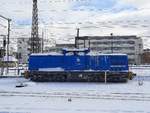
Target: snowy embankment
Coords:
[(142, 72), (75, 97), (85, 97)]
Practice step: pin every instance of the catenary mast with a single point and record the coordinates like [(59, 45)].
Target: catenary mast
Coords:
[(35, 40)]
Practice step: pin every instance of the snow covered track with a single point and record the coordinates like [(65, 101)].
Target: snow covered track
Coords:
[(108, 96), (143, 78)]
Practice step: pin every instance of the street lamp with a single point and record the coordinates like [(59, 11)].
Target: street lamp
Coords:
[(9, 20), (76, 38)]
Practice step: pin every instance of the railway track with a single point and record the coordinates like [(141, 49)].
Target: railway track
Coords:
[(82, 95)]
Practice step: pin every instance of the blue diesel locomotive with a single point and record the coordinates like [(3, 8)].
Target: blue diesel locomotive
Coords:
[(75, 65)]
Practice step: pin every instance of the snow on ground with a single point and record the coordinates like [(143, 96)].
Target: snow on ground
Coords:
[(85, 97), (141, 71)]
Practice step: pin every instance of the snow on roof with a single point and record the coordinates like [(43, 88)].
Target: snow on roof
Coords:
[(108, 54), (45, 54), (90, 53), (10, 59)]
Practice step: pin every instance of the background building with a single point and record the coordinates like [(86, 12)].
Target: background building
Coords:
[(130, 45), (23, 50), (146, 56)]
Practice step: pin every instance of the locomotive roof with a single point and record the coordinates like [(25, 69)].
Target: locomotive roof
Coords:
[(109, 54), (46, 54), (90, 53)]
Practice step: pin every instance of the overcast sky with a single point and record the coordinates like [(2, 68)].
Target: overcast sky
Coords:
[(59, 18)]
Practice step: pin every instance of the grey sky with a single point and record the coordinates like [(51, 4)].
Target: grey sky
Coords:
[(60, 18)]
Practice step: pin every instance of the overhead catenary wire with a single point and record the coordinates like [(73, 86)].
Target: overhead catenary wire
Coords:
[(95, 25)]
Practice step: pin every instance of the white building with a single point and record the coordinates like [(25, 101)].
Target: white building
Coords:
[(23, 49), (130, 45)]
